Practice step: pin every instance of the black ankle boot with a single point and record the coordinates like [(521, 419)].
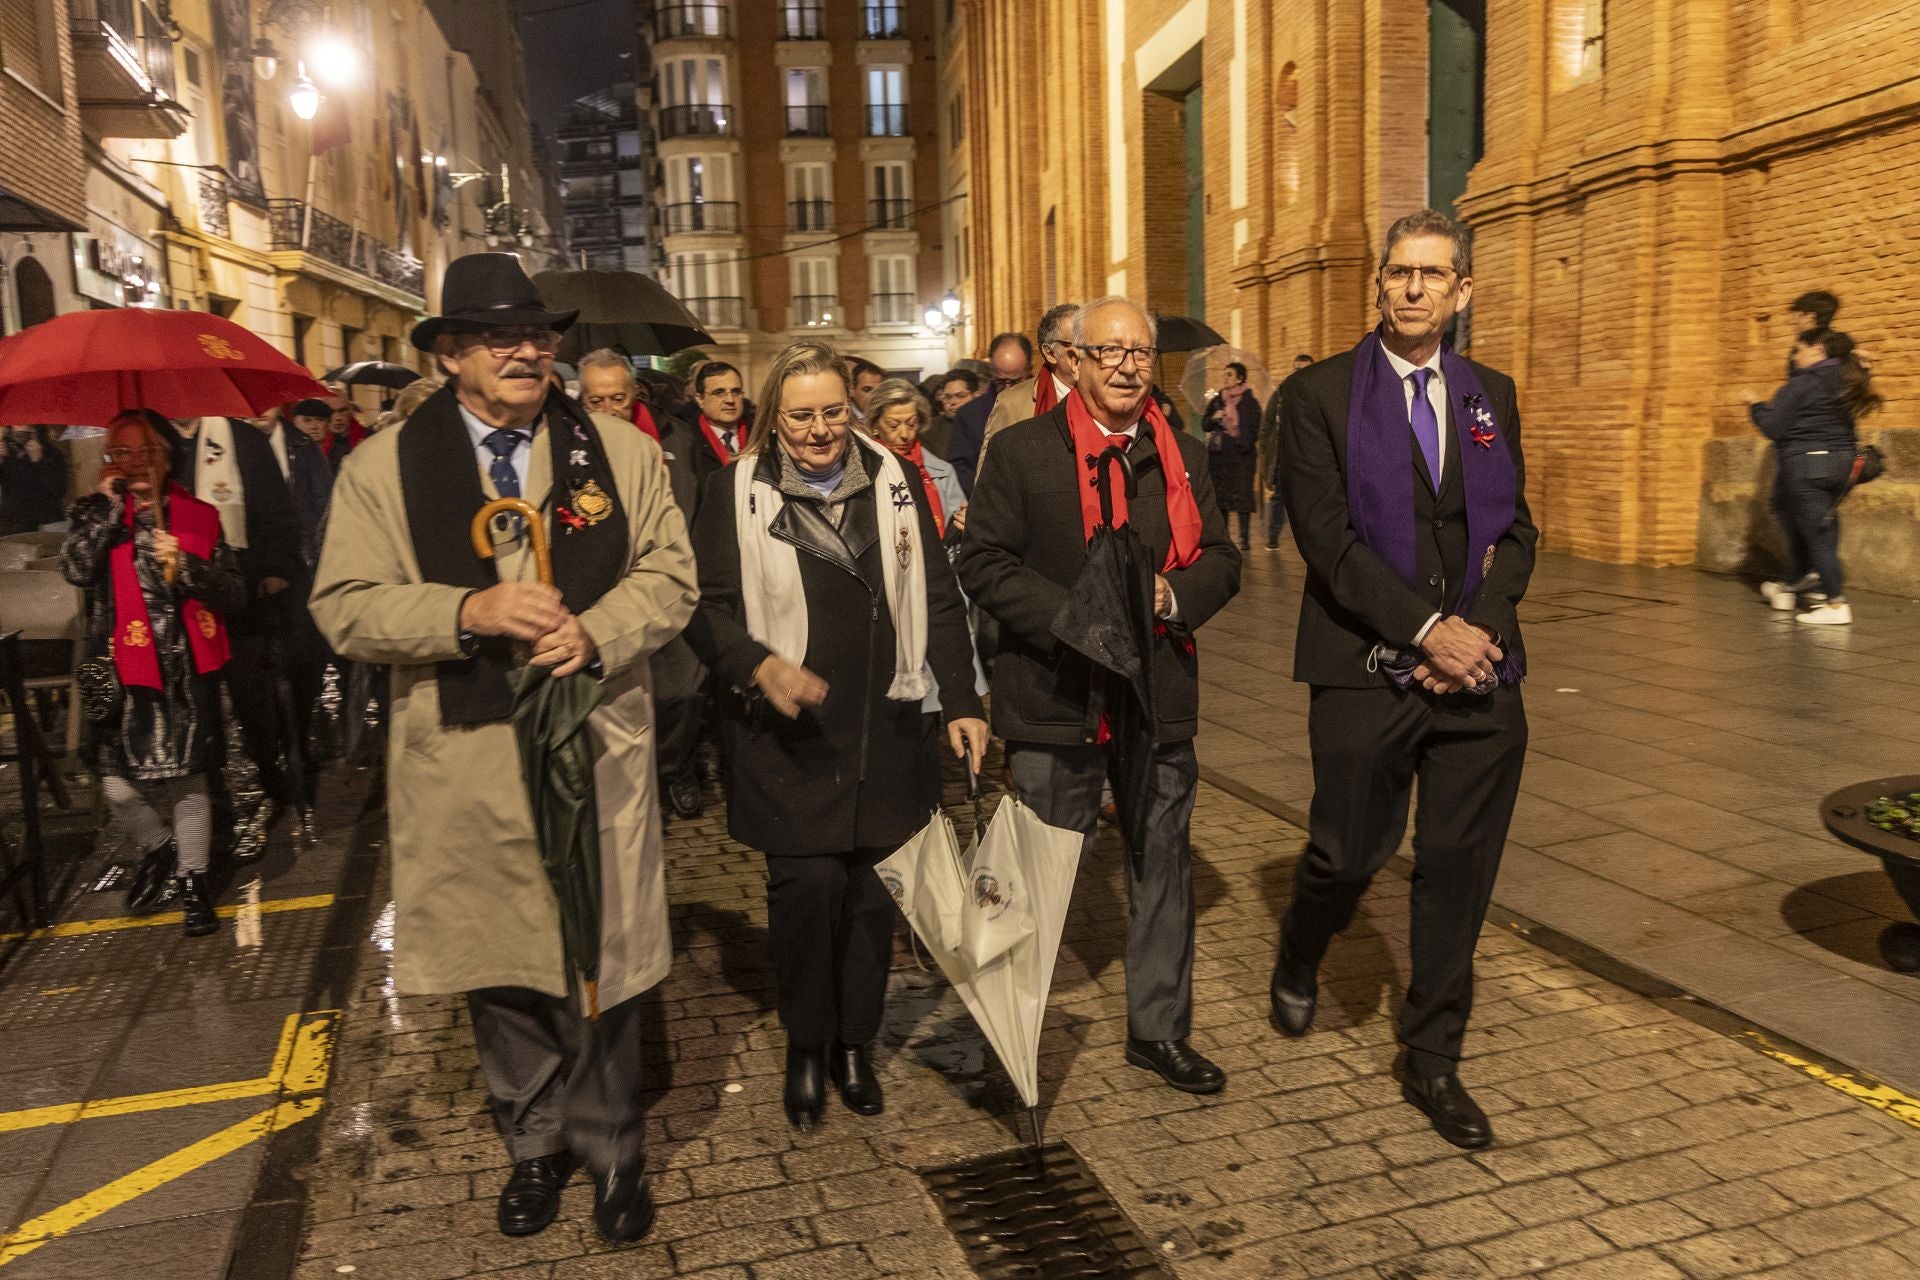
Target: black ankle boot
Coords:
[(196, 902), (852, 1070), (152, 882), (806, 1086)]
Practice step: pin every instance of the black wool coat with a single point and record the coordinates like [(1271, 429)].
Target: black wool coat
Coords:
[(1023, 549), (860, 770), (1353, 600)]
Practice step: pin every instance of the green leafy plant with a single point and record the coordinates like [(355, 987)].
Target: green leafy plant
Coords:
[(1898, 814)]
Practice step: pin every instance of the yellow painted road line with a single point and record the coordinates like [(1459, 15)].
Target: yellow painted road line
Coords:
[(1882, 1097), (304, 1065), (82, 928), (50, 1226), (165, 1099)]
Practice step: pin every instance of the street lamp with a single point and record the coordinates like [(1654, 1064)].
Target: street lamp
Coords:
[(305, 99), (335, 61), (943, 319)]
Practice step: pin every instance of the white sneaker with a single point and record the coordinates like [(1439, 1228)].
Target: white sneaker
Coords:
[(1834, 613), (1780, 596)]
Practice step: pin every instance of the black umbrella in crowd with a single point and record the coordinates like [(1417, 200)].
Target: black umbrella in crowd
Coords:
[(1108, 618), (372, 373), (1184, 333), (620, 309)]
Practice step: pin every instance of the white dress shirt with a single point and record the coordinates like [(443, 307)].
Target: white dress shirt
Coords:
[(1060, 388), (522, 452)]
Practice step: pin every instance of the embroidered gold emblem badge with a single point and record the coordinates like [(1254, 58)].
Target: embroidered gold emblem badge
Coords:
[(903, 548), (592, 502), (219, 348), (136, 636), (1486, 563), (204, 619)]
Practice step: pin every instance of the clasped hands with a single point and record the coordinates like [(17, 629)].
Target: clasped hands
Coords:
[(531, 612), (1459, 656)]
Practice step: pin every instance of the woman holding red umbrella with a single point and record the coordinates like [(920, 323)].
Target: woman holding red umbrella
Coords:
[(159, 581)]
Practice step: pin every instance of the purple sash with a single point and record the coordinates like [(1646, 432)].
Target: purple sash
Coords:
[(1380, 474)]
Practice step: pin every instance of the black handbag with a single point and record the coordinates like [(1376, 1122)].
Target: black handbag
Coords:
[(1868, 464), (99, 687)]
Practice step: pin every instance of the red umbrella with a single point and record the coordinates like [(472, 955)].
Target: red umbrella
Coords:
[(82, 369)]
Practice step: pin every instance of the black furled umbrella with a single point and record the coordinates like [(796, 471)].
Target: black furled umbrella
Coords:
[(372, 373), (1184, 333), (620, 309), (1108, 618)]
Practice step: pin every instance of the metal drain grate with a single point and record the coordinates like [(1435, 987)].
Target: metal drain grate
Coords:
[(1027, 1215)]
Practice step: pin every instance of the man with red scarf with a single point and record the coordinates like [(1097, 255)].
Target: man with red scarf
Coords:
[(721, 398), (1025, 546), (1045, 389)]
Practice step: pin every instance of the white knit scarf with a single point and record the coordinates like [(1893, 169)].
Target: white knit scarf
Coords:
[(770, 568), (216, 478)]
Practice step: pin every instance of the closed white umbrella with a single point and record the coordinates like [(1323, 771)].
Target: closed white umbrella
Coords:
[(992, 918)]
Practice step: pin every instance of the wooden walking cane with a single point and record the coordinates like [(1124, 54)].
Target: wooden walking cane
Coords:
[(481, 531)]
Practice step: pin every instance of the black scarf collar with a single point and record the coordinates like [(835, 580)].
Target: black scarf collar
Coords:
[(440, 482)]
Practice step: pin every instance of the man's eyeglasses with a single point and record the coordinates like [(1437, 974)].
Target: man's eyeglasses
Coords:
[(504, 342), (1397, 276), (833, 415), (1112, 357)]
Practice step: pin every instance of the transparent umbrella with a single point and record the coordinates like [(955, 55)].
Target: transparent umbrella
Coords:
[(1207, 371)]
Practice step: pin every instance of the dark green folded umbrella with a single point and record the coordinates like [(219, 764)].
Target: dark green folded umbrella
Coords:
[(557, 757)]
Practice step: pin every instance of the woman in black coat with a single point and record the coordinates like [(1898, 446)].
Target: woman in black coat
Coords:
[(828, 613), (33, 481), (1232, 421)]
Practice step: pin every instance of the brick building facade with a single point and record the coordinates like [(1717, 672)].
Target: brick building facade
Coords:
[(1647, 185)]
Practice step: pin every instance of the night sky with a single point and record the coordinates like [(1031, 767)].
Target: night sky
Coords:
[(573, 47)]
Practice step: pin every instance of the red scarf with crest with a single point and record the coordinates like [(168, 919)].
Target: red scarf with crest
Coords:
[(1090, 440), (197, 525)]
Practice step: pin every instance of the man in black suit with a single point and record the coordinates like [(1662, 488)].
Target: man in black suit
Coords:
[(1402, 471), (1025, 544)]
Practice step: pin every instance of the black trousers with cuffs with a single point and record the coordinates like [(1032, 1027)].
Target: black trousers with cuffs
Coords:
[(1369, 746)]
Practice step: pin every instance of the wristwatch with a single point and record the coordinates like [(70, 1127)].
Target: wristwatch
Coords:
[(468, 641)]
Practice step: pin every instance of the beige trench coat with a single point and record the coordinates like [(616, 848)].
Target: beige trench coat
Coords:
[(473, 908)]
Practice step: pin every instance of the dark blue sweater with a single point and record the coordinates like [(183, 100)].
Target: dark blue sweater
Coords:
[(1807, 413)]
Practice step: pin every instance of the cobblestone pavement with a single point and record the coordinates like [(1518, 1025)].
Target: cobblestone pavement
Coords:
[(1635, 1143)]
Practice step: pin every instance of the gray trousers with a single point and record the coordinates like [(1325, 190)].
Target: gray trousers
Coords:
[(559, 1081), (1062, 785)]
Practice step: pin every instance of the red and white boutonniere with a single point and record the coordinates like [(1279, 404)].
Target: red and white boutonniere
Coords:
[(1481, 426), (569, 519)]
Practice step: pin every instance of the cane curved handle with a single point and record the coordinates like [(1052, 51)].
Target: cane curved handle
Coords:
[(482, 532)]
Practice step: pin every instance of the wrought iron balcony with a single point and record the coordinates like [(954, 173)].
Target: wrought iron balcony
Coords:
[(807, 121), (295, 226), (891, 213), (887, 120), (891, 308), (801, 21), (692, 21), (707, 119), (702, 215), (816, 311), (719, 313), (883, 22), (809, 215), (214, 194), (123, 70)]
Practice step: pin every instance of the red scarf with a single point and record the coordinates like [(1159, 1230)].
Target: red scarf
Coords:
[(714, 442), (197, 525), (918, 457), (354, 434), (1045, 394), (1090, 439), (643, 419)]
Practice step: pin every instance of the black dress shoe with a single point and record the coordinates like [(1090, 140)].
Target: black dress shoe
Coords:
[(196, 905), (1178, 1064), (1454, 1115), (683, 794), (622, 1205), (152, 883), (806, 1094), (852, 1070), (1294, 994), (531, 1199)]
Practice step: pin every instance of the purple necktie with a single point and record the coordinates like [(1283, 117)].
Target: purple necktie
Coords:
[(1426, 427)]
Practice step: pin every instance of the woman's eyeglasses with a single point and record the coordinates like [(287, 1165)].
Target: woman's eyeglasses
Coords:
[(833, 415), (121, 457)]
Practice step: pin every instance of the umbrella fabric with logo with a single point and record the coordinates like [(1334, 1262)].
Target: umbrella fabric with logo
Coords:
[(85, 368)]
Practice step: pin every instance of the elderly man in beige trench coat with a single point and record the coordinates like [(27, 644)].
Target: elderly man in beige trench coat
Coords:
[(399, 583)]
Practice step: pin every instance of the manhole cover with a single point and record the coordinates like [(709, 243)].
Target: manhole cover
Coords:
[(1027, 1215)]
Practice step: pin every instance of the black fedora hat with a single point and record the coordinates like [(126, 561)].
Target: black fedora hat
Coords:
[(487, 291)]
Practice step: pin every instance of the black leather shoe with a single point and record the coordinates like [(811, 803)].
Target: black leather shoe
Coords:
[(152, 883), (622, 1205), (1294, 994), (531, 1199), (196, 903), (683, 794), (1454, 1115), (852, 1071), (1178, 1064), (806, 1087)]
